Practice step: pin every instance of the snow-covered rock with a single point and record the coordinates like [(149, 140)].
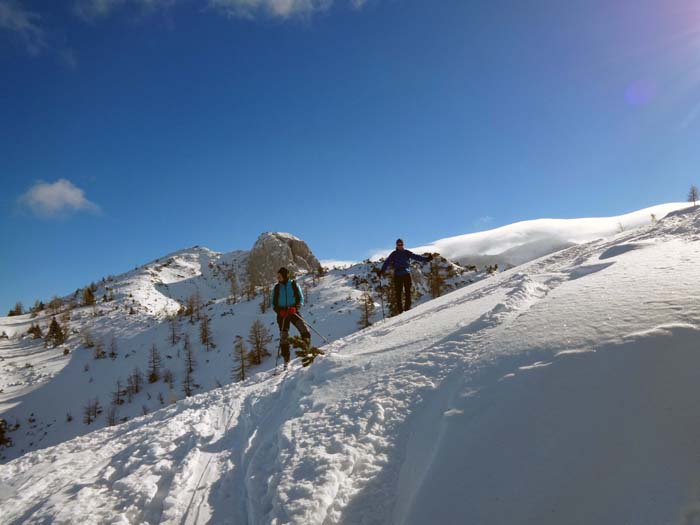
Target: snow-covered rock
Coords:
[(273, 250)]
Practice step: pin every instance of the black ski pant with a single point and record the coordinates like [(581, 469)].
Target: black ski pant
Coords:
[(284, 323), (402, 285)]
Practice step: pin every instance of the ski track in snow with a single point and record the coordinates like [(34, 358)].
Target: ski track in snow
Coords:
[(344, 440)]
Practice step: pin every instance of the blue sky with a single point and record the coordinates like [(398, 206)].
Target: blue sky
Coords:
[(130, 131)]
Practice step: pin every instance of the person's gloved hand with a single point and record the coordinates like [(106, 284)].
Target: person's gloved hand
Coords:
[(283, 312), (292, 310)]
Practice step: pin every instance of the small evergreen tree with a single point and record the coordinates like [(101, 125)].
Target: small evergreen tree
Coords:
[(112, 416), (233, 285), (55, 305), (91, 411), (205, 332), (35, 330), (366, 309), (17, 310), (55, 336), (154, 363), (5, 440), (37, 308), (113, 348), (135, 382), (88, 296), (187, 383), (693, 195), (118, 394), (258, 337), (239, 353), (173, 338), (436, 280), (190, 362), (193, 307), (304, 350), (168, 378)]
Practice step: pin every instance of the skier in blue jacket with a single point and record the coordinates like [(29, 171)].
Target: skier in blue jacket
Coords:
[(287, 300), (400, 259)]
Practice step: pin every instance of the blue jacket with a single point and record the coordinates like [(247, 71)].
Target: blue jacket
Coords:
[(286, 296), (400, 260)]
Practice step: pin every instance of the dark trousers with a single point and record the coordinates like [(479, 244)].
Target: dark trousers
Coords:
[(283, 323), (402, 285)]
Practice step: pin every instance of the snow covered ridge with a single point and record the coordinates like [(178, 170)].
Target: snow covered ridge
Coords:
[(525, 241), (45, 391), (562, 391)]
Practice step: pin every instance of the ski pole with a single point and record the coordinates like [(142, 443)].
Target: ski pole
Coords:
[(312, 328)]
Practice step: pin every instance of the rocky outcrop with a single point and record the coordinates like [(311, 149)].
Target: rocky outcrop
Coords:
[(273, 250)]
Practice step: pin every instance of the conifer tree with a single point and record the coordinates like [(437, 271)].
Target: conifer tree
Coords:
[(233, 285), (693, 195), (118, 394), (205, 332), (55, 305), (5, 440), (258, 337), (187, 383), (88, 296), (239, 354), (168, 378), (154, 363), (112, 416), (113, 348), (35, 330), (265, 304), (17, 310), (134, 382), (173, 338), (366, 309), (55, 336), (436, 280), (91, 411), (190, 362)]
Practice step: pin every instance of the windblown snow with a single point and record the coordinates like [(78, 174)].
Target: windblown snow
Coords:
[(525, 241), (564, 390)]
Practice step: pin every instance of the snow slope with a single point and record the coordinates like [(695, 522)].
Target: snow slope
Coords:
[(44, 391), (562, 391), (525, 241)]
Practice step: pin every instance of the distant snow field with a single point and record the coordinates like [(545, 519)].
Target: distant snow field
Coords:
[(561, 391)]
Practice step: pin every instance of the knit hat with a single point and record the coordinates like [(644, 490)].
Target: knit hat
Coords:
[(284, 273), (399, 241)]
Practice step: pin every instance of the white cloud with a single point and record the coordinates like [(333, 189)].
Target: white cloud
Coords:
[(91, 10), (15, 19), (95, 9), (51, 199), (275, 8)]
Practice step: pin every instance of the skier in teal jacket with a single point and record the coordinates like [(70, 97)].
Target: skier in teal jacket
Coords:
[(287, 299)]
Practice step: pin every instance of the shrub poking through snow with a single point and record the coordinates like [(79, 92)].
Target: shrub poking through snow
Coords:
[(304, 350)]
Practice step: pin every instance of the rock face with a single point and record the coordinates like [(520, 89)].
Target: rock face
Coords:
[(274, 250)]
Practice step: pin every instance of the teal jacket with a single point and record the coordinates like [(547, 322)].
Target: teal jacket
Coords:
[(286, 294)]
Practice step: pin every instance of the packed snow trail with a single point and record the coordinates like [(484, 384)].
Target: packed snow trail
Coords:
[(537, 392)]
